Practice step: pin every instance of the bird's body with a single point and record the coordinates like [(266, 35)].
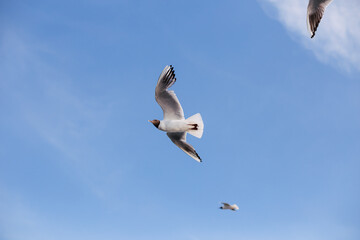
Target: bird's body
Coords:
[(315, 12), (174, 122), (233, 207), (174, 126)]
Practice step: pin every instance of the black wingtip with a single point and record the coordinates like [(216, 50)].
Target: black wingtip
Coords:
[(198, 157)]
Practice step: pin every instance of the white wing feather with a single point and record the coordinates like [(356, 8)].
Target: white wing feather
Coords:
[(167, 99)]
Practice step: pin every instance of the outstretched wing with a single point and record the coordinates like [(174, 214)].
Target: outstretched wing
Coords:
[(167, 99), (226, 204), (315, 12), (179, 139)]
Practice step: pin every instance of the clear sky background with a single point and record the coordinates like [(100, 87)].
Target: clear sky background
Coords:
[(78, 159)]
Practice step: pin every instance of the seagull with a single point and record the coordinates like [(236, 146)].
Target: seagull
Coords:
[(315, 12), (174, 123), (233, 207)]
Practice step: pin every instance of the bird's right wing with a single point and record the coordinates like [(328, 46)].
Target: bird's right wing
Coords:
[(226, 204), (167, 99), (179, 139), (315, 12)]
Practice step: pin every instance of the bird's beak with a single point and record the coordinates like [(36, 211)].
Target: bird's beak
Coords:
[(150, 121)]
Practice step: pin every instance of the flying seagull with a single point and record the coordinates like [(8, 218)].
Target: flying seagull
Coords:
[(315, 12), (233, 207), (174, 123)]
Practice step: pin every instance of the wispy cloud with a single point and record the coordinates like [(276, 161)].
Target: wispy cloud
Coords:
[(52, 106), (338, 37)]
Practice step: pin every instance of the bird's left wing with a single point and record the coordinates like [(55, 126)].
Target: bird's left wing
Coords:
[(167, 99), (179, 139)]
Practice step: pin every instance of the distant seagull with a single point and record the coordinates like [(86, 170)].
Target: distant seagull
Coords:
[(315, 12), (233, 207), (174, 122)]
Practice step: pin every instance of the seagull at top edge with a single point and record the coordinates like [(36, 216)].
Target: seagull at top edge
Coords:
[(174, 123), (315, 12)]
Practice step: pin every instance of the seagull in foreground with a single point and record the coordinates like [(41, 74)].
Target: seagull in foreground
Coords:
[(233, 207), (174, 123), (315, 12)]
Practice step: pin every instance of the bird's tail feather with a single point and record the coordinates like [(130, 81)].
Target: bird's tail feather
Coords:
[(198, 124)]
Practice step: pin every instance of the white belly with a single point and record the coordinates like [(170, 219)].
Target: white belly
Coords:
[(174, 126)]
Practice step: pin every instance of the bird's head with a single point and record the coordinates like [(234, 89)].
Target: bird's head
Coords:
[(221, 207), (155, 122)]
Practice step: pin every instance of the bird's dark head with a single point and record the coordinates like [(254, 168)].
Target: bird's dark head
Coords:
[(155, 122), (221, 207)]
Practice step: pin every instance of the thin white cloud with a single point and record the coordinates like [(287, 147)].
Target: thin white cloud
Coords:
[(337, 39), (44, 100)]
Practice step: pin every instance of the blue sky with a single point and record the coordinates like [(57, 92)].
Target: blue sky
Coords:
[(78, 159)]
